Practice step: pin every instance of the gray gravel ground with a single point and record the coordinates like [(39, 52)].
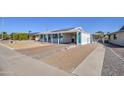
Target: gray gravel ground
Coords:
[(113, 65)]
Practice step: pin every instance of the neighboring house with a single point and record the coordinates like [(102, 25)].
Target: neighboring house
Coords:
[(75, 35), (117, 37)]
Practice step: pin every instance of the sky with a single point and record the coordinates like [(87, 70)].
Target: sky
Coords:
[(41, 24)]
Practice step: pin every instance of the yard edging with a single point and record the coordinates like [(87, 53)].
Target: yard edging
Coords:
[(6, 46), (116, 54)]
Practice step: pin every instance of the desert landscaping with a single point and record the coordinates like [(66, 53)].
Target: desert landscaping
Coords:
[(23, 44)]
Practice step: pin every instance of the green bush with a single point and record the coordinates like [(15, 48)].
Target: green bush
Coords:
[(0, 36), (23, 36), (15, 36), (20, 36), (5, 36)]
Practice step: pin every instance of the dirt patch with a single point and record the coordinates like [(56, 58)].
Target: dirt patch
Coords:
[(43, 52), (24, 44)]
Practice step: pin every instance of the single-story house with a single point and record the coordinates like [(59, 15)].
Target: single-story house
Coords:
[(117, 37), (75, 35)]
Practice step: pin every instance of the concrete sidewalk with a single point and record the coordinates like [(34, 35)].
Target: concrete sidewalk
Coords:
[(92, 65), (14, 63)]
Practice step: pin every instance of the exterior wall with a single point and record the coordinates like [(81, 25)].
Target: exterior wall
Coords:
[(119, 40), (55, 40), (67, 38), (85, 38), (41, 38)]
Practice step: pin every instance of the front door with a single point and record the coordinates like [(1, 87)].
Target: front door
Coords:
[(79, 38)]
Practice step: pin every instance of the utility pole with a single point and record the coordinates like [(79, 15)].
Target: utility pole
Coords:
[(2, 26), (29, 34)]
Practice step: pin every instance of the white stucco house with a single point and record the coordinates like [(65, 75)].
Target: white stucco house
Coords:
[(117, 37), (75, 35)]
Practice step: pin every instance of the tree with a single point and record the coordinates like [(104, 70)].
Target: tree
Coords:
[(99, 34), (0, 36), (5, 36), (19, 36), (23, 36), (15, 36)]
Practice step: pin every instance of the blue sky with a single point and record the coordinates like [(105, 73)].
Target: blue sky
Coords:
[(39, 24)]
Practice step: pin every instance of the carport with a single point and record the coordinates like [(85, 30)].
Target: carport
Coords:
[(61, 37), (75, 35)]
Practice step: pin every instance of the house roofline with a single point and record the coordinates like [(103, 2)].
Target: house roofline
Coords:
[(78, 29)]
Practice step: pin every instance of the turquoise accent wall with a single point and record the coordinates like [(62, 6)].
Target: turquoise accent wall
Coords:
[(79, 38)]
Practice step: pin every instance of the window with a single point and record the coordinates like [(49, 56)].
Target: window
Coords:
[(60, 35), (109, 36), (115, 37), (55, 36)]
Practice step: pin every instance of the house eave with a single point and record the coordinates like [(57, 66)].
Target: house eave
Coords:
[(76, 29)]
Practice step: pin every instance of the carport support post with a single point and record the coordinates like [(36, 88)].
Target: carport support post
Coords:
[(43, 37), (39, 38), (58, 38), (47, 37), (77, 38), (51, 38)]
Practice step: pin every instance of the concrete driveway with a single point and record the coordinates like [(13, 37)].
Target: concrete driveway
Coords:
[(14, 63), (59, 56)]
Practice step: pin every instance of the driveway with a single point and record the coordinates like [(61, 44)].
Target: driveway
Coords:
[(14, 63), (59, 56), (113, 61)]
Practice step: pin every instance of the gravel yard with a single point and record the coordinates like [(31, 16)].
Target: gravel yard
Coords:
[(119, 51), (42, 52), (113, 65), (23, 44)]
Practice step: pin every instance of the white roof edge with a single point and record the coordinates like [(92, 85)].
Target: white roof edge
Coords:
[(82, 29), (50, 32)]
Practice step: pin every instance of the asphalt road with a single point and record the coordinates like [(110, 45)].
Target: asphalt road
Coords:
[(113, 65)]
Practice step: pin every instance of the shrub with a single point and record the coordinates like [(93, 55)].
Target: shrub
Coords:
[(15, 36), (5, 36), (20, 36), (23, 36)]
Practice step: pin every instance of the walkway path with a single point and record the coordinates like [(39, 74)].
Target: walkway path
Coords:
[(92, 65)]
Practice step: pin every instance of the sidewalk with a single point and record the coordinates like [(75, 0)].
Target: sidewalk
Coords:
[(92, 65), (14, 63)]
